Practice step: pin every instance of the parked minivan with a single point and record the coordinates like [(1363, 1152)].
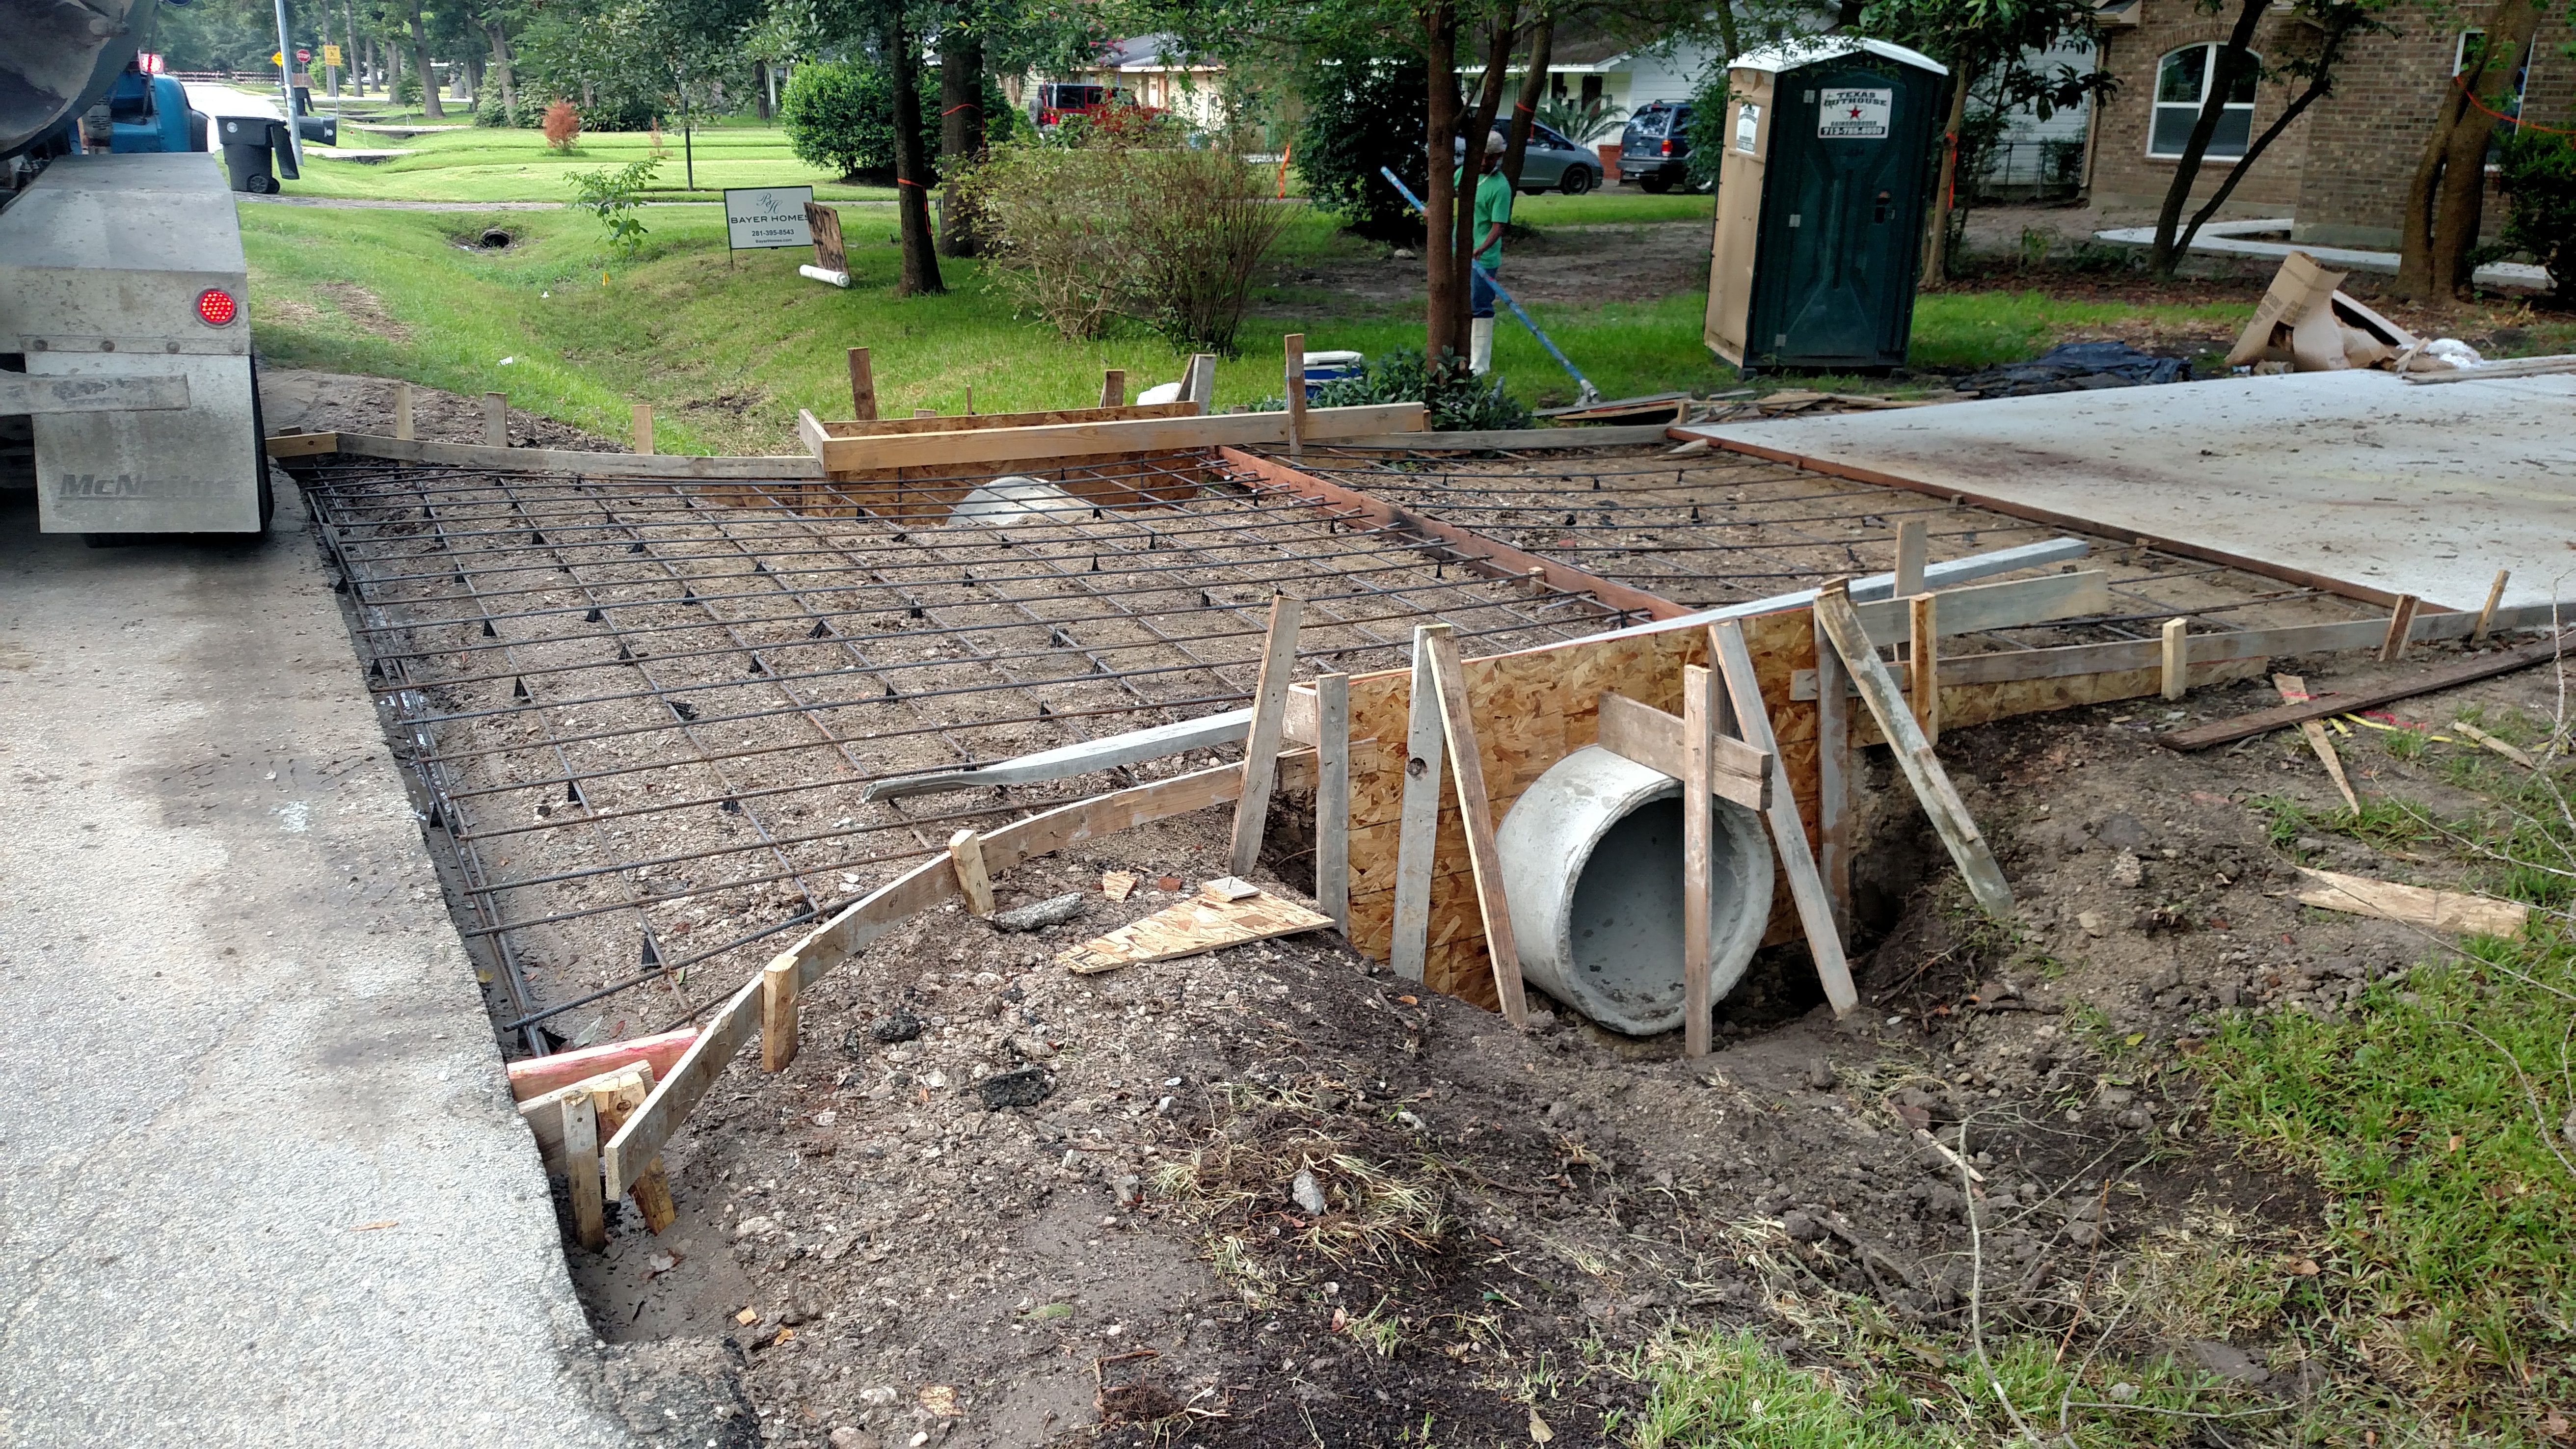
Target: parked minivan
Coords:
[(1654, 150)]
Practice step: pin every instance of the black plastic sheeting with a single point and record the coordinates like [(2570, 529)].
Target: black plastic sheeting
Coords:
[(2077, 367)]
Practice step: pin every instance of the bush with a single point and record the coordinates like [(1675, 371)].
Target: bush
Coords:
[(840, 114), (406, 91), (2538, 174), (613, 196), (1457, 399), (1084, 234), (1708, 134), (1362, 114), (562, 125)]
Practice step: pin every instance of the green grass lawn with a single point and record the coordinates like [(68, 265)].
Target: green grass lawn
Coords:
[(487, 163)]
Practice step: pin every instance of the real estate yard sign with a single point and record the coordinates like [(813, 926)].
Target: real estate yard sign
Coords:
[(767, 216)]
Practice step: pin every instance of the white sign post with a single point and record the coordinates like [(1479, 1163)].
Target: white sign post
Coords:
[(762, 217)]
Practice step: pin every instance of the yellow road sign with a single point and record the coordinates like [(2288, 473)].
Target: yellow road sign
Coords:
[(330, 55)]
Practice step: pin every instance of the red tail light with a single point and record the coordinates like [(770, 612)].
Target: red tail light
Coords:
[(1665, 149), (216, 307)]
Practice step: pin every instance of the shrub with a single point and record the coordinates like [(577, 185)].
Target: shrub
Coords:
[(613, 196), (1707, 130), (1084, 234), (840, 114), (1457, 399), (562, 125), (2538, 174), (1362, 114), (1582, 122), (406, 90)]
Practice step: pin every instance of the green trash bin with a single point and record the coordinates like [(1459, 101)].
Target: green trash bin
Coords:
[(1820, 199)]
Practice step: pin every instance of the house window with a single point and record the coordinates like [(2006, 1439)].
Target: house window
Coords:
[(2472, 42), (2182, 87)]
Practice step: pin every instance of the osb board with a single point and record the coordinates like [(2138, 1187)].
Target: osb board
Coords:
[(1971, 704), (1195, 926), (1531, 710), (925, 495)]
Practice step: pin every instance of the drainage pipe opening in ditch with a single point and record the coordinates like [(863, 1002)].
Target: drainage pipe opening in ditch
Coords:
[(1592, 868)]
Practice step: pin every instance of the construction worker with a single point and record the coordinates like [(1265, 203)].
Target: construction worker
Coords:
[(1493, 212)]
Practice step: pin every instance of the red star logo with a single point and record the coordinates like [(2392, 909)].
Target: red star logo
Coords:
[(1855, 113)]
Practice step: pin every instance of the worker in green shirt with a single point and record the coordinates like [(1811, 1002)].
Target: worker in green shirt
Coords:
[(1493, 213)]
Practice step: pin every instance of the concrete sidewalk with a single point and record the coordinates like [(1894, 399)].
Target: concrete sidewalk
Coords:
[(261, 1182)]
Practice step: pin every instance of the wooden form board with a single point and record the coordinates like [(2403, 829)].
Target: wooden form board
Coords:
[(810, 427), (956, 450), (540, 460)]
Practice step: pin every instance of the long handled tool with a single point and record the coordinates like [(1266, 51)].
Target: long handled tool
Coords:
[(1589, 394)]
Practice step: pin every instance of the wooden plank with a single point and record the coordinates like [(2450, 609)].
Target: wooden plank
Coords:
[(402, 411), (1467, 775), (496, 420), (823, 949), (1833, 778), (2174, 650), (603, 465), (2476, 736), (1199, 384), (543, 1113), (1261, 747), (1108, 814), (1333, 798), (615, 1101), (299, 445), (580, 1118), (778, 1014), (2486, 615), (974, 882), (2293, 689), (2401, 624), (1661, 742), (1418, 834), (642, 416), (640, 1140), (1517, 440), (1913, 550), (1113, 387), (1978, 608), (1807, 888), (2371, 696), (1138, 435), (1195, 927), (2414, 905), (536, 1076), (1949, 815), (1294, 346), (863, 386), (1699, 824), (1923, 665), (934, 423)]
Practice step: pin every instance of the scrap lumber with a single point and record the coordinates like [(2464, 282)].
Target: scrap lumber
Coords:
[(1660, 741), (2477, 736), (580, 1118), (2486, 615), (1333, 798), (294, 444), (2401, 623), (974, 881), (543, 1113), (1699, 871), (1205, 922), (1417, 831), (537, 1076), (1261, 747), (2369, 696), (2293, 689), (613, 1102), (1788, 832), (1941, 802), (639, 1143), (1476, 811), (1913, 550), (2454, 911)]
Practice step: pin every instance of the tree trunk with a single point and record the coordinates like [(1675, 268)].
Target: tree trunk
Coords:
[(2444, 201), (760, 91), (428, 76), (911, 165), (1441, 332), (501, 68), (1542, 48), (1475, 126), (2320, 81), (1936, 237), (1727, 35), (961, 133), (2232, 58)]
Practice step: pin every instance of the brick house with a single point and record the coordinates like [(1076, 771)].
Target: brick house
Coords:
[(2342, 169)]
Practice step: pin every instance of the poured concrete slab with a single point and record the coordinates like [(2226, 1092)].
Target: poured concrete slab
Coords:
[(2357, 481), (261, 1181)]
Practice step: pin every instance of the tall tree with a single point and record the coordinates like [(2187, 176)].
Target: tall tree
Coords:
[(2234, 63), (961, 128), (912, 173), (2443, 200), (1476, 124), (493, 30), (1542, 48), (428, 75)]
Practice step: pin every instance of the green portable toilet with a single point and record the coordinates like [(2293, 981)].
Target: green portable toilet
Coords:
[(1820, 196)]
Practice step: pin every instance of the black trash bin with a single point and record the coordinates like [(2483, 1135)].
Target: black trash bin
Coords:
[(1820, 201)]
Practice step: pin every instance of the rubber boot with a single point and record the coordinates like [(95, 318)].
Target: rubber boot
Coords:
[(1480, 345)]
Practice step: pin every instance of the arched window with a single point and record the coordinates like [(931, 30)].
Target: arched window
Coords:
[(2182, 86)]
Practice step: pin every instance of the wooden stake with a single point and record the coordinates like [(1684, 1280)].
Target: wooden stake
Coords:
[(643, 428), (778, 1010), (925, 412), (966, 853), (2294, 689), (581, 1171), (1467, 774), (1333, 798), (1788, 832), (1418, 821), (2486, 616), (1113, 387), (970, 399), (1833, 779), (2177, 658), (1699, 825), (1201, 388), (402, 411), (615, 1103), (1295, 345), (1949, 814), (496, 420), (2401, 622), (1261, 746), (1923, 659), (1913, 550), (863, 386)]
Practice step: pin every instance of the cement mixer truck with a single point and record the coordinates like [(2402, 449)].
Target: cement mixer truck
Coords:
[(128, 398)]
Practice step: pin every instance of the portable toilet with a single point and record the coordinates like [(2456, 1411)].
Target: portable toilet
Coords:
[(1820, 196)]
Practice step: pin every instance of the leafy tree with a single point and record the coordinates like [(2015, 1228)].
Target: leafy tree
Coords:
[(2440, 225), (839, 114), (2539, 178), (1362, 114)]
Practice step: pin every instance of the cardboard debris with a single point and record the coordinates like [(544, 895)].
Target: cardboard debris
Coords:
[(1198, 925), (2306, 321)]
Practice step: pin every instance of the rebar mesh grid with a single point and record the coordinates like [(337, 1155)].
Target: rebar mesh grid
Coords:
[(640, 720)]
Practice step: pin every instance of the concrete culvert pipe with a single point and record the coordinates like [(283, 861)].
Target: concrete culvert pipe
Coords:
[(1592, 867), (495, 239)]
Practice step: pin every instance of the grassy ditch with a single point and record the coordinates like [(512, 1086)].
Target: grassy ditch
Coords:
[(489, 163)]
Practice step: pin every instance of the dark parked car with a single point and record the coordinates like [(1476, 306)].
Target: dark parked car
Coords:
[(1553, 163), (1654, 151)]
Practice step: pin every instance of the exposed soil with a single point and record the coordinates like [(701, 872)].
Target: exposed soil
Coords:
[(327, 402), (1582, 264)]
